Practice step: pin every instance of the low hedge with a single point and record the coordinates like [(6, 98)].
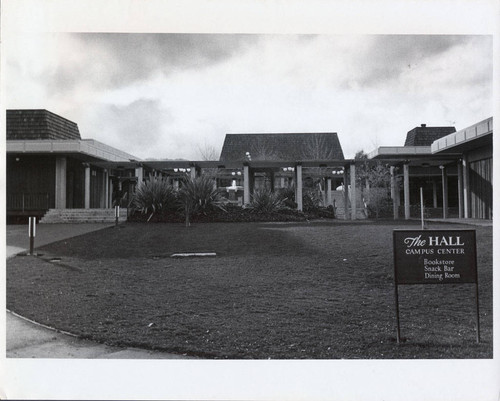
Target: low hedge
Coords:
[(233, 214)]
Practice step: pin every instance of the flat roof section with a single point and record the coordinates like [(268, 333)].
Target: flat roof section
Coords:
[(475, 136), (86, 147), (399, 152)]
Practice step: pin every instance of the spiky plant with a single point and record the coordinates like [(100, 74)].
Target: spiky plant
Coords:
[(154, 196), (198, 195), (265, 200)]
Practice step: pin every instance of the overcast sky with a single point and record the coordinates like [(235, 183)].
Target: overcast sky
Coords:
[(168, 95)]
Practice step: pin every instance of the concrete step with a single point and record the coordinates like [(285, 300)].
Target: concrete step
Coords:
[(83, 216)]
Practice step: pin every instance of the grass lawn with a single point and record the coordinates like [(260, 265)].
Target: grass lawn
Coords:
[(295, 290)]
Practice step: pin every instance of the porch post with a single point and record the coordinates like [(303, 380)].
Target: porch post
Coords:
[(107, 203), (460, 190), (298, 187), (434, 194), (346, 196), (193, 172), (139, 173), (103, 195), (444, 178), (87, 186), (394, 193), (60, 195), (110, 199), (353, 191), (246, 184), (465, 170), (406, 178), (328, 191)]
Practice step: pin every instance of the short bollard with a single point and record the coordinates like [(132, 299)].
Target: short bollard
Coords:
[(117, 214), (32, 233)]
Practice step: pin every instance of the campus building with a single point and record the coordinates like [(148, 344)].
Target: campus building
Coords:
[(50, 167), (454, 171)]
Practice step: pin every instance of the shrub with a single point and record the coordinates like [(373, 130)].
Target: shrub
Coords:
[(265, 200), (198, 195), (379, 203), (287, 195), (381, 208), (154, 196), (310, 200)]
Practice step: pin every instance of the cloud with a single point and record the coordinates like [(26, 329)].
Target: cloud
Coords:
[(114, 60), (136, 127), (161, 95)]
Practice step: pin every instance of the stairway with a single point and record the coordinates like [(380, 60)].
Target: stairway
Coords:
[(83, 216), (338, 198)]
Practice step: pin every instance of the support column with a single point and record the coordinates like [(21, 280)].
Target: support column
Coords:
[(328, 191), (444, 178), (106, 189), (271, 178), (298, 187), (193, 172), (353, 192), (139, 173), (394, 193), (406, 178), (246, 184), (465, 170), (60, 195), (110, 199), (434, 194), (103, 195), (87, 186), (346, 196), (460, 190)]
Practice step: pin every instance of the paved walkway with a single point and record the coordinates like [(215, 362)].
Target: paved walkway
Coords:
[(28, 339), (18, 240), (470, 222)]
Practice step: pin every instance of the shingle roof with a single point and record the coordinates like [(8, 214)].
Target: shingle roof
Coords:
[(39, 124), (296, 146), (424, 136)]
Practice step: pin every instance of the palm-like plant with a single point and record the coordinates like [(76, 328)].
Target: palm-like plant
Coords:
[(198, 195), (154, 196), (265, 200)]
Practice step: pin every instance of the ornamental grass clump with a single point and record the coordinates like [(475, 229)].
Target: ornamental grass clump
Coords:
[(265, 200), (154, 196), (198, 195)]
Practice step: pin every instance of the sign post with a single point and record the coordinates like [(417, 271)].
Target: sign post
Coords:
[(117, 214), (435, 257), (32, 233), (422, 207)]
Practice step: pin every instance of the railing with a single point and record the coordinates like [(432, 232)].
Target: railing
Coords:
[(28, 201)]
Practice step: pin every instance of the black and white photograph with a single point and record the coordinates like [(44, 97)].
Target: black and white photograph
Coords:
[(252, 210)]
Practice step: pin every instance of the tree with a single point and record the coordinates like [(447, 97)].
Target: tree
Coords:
[(317, 147), (261, 149), (374, 179), (209, 152)]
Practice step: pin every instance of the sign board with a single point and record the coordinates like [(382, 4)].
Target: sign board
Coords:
[(435, 256)]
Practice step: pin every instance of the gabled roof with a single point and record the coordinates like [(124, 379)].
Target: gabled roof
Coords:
[(424, 136), (275, 147), (39, 124)]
